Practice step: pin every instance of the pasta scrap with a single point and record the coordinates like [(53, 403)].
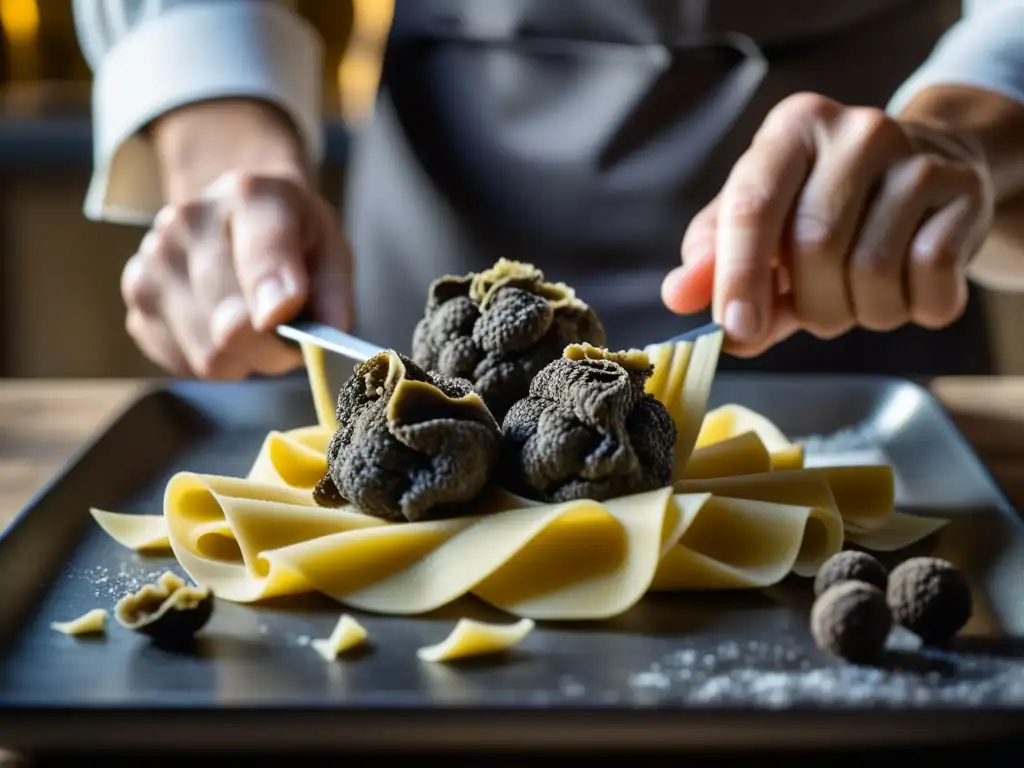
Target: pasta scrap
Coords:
[(476, 638), (92, 623), (347, 634)]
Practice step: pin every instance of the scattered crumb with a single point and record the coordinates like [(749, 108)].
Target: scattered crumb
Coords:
[(781, 676), (92, 623), (476, 638), (347, 634), (303, 640)]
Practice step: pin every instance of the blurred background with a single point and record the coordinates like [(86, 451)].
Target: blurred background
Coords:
[(61, 313)]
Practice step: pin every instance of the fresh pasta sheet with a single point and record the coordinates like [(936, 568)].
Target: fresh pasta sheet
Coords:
[(742, 513)]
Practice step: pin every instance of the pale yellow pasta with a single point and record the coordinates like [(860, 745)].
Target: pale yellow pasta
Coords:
[(740, 455), (347, 634), (92, 623), (143, 533), (476, 638), (734, 519), (682, 378)]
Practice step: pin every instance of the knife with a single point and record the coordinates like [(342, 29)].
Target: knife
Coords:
[(348, 350)]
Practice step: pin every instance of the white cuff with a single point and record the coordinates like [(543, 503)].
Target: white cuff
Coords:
[(188, 54), (984, 50)]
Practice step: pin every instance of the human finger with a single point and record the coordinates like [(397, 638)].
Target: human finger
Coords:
[(938, 259), (852, 156), (267, 233), (755, 203), (156, 342)]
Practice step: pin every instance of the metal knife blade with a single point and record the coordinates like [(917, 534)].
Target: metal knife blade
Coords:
[(331, 339), (696, 333), (348, 350)]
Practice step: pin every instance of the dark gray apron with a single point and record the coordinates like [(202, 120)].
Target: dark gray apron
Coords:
[(582, 135)]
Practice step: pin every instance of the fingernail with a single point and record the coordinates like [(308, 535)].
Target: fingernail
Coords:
[(741, 320), (228, 316), (269, 296)]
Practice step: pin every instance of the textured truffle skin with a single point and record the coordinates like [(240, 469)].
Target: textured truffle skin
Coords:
[(852, 621), (498, 328), (850, 565), (588, 430), (410, 445), (929, 597)]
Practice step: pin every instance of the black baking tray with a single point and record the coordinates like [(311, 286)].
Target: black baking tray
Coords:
[(697, 670)]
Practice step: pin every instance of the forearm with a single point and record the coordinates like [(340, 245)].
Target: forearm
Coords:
[(194, 75), (199, 142)]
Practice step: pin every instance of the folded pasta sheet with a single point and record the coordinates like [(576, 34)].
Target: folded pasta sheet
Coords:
[(742, 513)]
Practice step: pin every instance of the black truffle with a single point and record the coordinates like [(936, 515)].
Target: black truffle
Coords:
[(410, 445), (851, 620), (170, 611), (499, 327), (929, 597), (588, 430), (850, 565)]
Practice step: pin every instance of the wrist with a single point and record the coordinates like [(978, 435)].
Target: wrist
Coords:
[(986, 126), (198, 143)]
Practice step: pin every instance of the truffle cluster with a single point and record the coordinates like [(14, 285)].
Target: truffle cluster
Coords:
[(498, 328), (587, 429), (410, 445), (858, 603)]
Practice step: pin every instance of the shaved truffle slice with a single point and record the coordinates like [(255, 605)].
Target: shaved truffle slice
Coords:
[(169, 611), (588, 430), (499, 327), (411, 445)]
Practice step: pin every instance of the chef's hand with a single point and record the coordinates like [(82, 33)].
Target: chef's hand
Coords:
[(214, 276), (835, 217), (245, 243)]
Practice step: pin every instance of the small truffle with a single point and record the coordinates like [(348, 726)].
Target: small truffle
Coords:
[(170, 612), (929, 597), (850, 565), (410, 445), (499, 327), (588, 430), (852, 621)]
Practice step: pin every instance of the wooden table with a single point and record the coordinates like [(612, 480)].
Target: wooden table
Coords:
[(43, 422)]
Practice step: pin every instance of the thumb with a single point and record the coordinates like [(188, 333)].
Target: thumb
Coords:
[(688, 289), (269, 252), (332, 291)]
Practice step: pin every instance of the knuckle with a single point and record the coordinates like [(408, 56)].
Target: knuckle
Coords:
[(748, 206), (874, 265), (868, 126), (921, 172), (816, 236), (137, 289), (935, 260), (806, 104)]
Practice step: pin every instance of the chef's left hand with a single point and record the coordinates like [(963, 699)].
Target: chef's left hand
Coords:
[(835, 217)]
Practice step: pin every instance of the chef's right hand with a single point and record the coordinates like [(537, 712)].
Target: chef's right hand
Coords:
[(216, 274)]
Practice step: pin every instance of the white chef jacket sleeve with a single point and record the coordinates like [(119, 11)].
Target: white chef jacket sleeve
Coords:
[(984, 49), (151, 56)]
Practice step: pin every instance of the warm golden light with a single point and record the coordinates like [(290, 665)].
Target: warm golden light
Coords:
[(359, 69), (20, 19)]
